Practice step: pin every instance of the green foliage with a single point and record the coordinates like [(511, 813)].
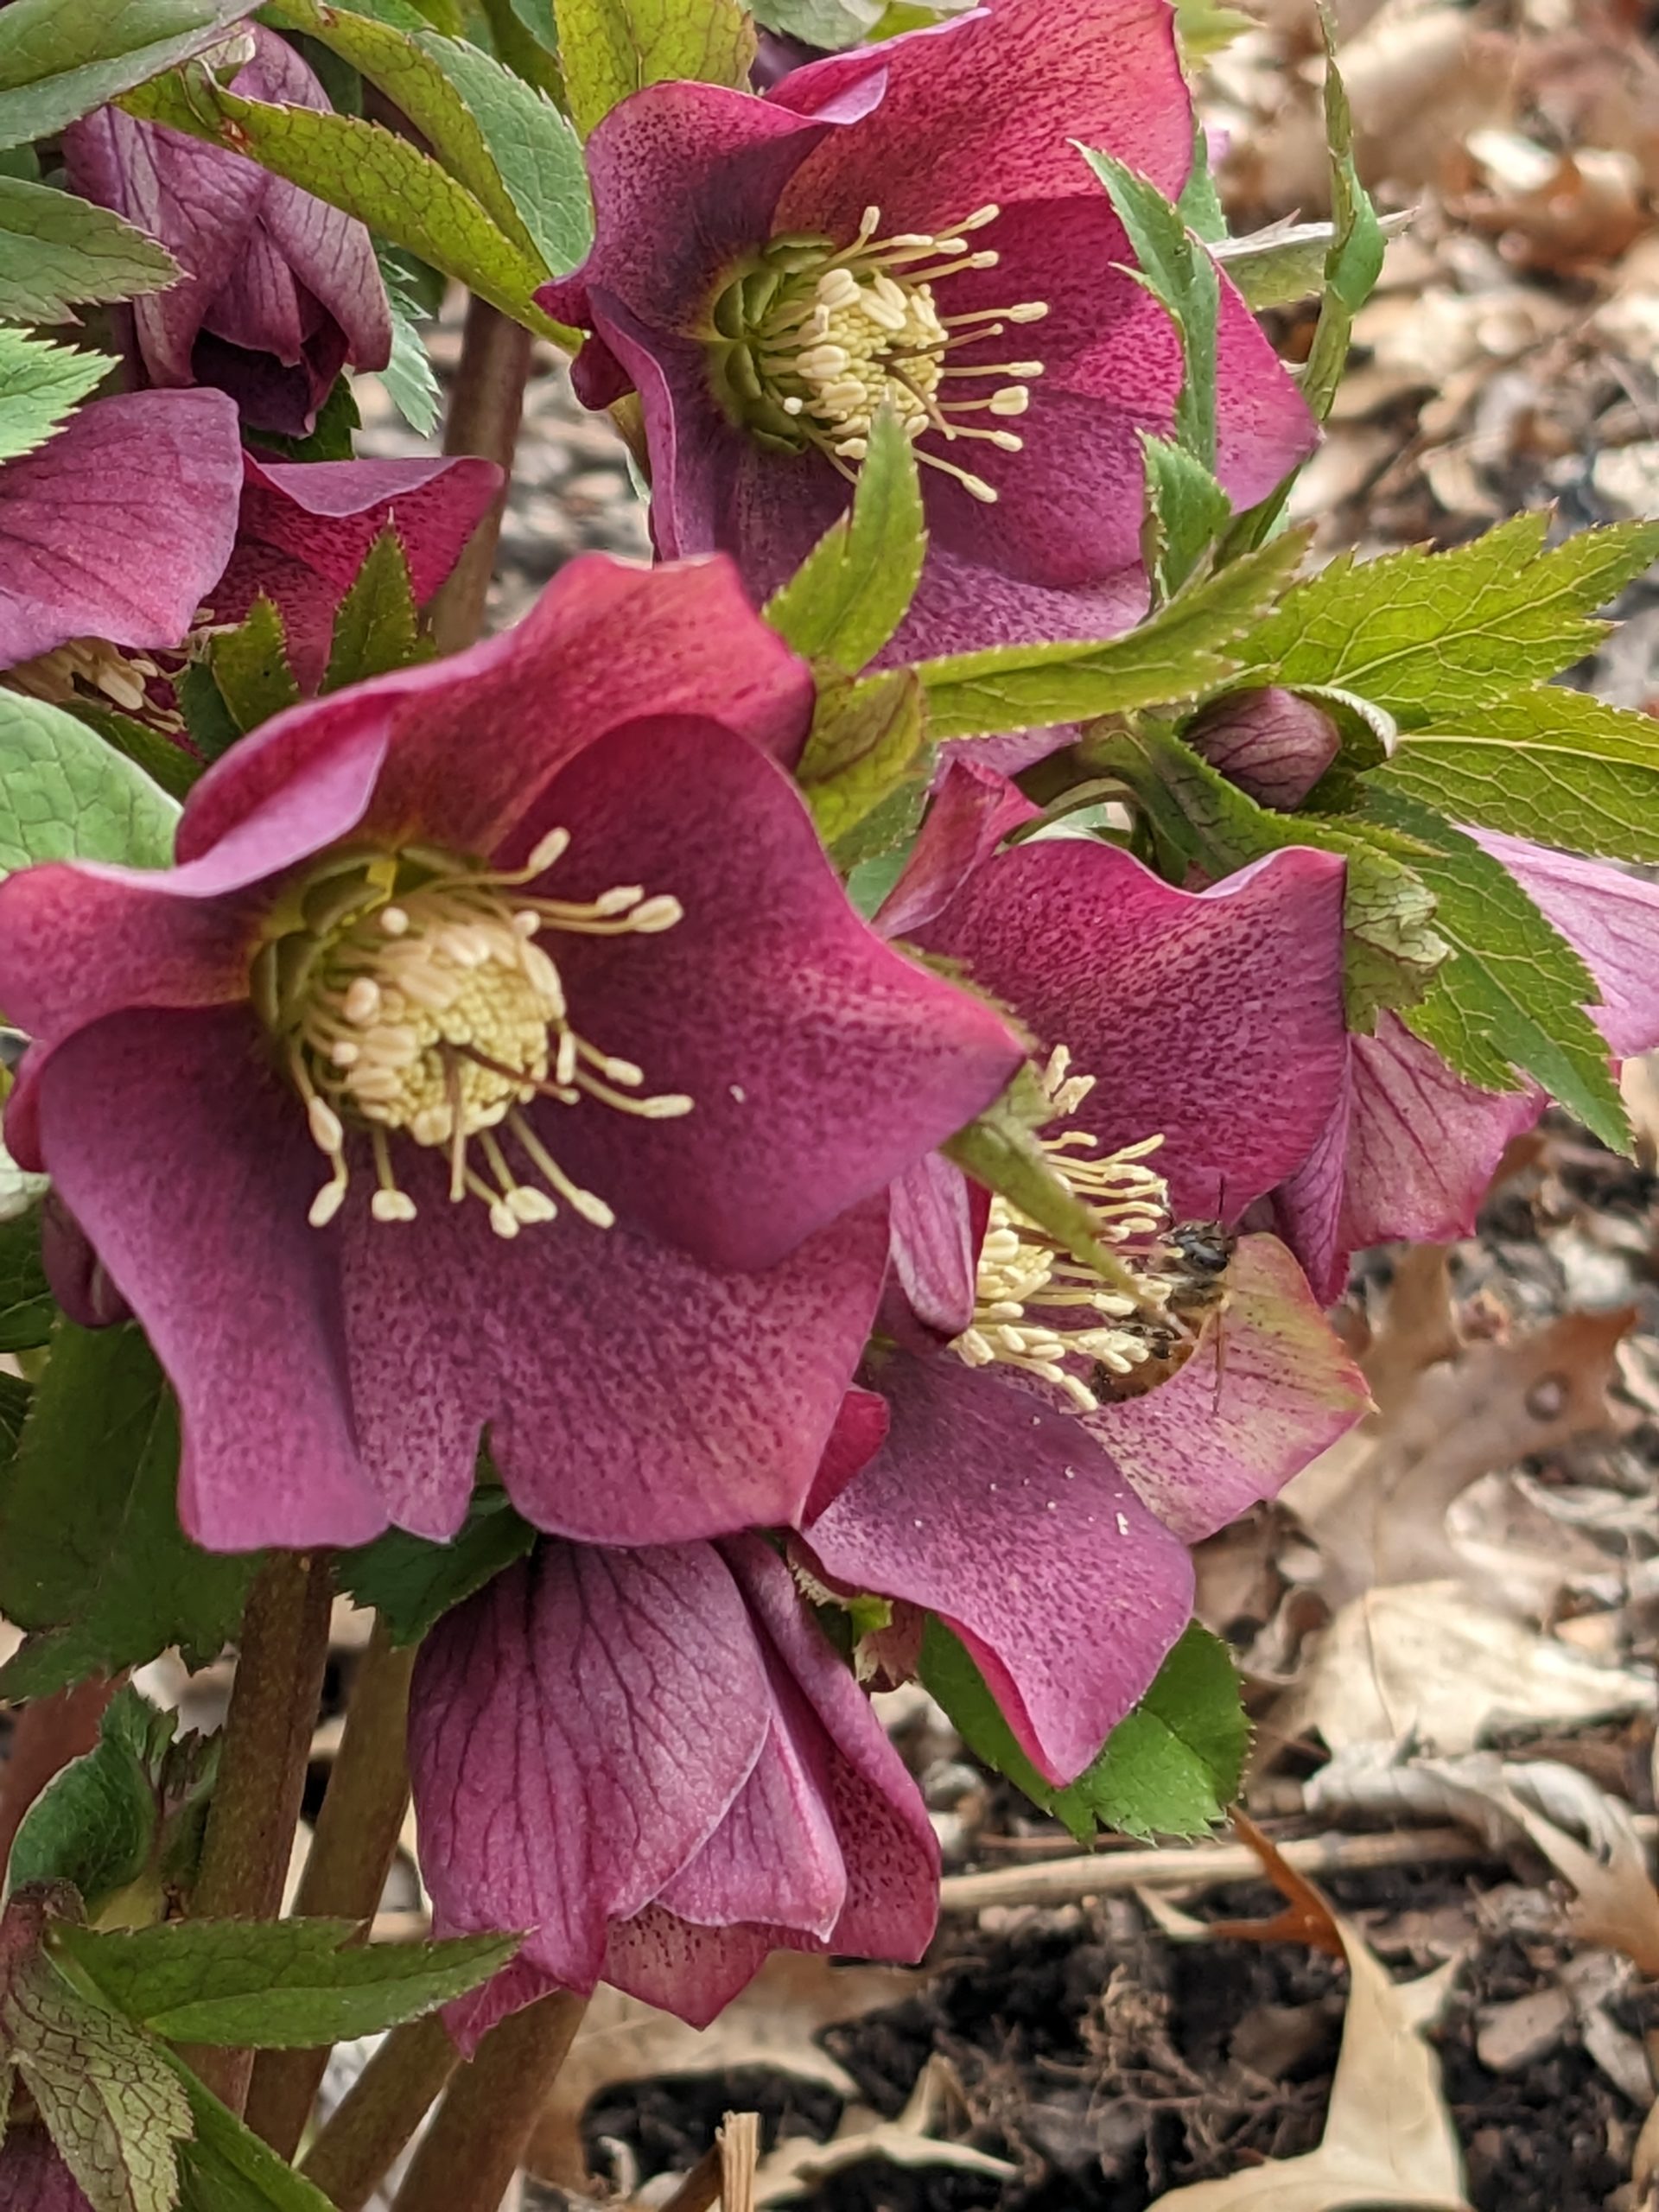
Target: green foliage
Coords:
[(41, 386), (226, 2167), (65, 795), (1588, 771), (93, 1562), (158, 757), (1423, 635), (1353, 261), (123, 1824), (330, 437), (1180, 653), (1186, 509), (1181, 277), (282, 1985), (27, 1307), (1512, 995), (412, 1584), (14, 1396), (612, 48), (853, 590), (385, 182), (1171, 1767), (1276, 267), (56, 250), (57, 60), (250, 667), (832, 24), (378, 627), (865, 764), (410, 385)]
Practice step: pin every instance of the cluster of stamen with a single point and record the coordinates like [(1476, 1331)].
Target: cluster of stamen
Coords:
[(408, 995), (1037, 1307), (85, 668), (813, 339)]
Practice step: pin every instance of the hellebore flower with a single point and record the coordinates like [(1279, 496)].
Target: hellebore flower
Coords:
[(33, 2177), (902, 224), (111, 532), (281, 292), (654, 1762), (543, 930)]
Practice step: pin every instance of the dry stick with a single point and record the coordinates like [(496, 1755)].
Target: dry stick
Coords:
[(378, 2117), (485, 407), (469, 2155), (256, 1802), (45, 1736), (347, 1867)]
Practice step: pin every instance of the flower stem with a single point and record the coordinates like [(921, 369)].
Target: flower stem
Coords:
[(469, 2155), (345, 1869), (45, 1736), (267, 1739), (385, 2106), (484, 406)]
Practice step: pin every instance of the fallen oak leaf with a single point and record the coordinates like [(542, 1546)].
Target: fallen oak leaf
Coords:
[(798, 2166)]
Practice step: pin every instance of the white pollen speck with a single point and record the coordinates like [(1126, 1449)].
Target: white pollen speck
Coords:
[(1070, 1474), (1051, 1507), (1122, 1519), (994, 1485), (737, 1092), (918, 1525)]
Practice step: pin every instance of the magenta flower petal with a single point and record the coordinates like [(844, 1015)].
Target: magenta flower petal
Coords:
[(305, 529), (1008, 1520), (1212, 1017), (33, 2178), (1610, 918), (860, 1430), (937, 1228), (973, 809), (117, 527), (1271, 742), (1233, 1427)]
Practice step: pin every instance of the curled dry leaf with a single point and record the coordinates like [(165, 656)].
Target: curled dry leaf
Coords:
[(798, 2166)]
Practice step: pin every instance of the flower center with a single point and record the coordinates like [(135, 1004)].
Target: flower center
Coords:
[(84, 668), (810, 339), (407, 996), (1035, 1305)]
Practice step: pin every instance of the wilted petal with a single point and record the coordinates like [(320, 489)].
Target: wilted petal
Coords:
[(117, 527), (1268, 1389), (1007, 1519), (1610, 920)]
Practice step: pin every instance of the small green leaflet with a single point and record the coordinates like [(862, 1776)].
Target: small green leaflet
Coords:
[(612, 48), (280, 1985), (60, 59), (1548, 755), (412, 1584), (1285, 263), (166, 764), (93, 1562), (1423, 635), (56, 251), (411, 384), (64, 795), (854, 588), (1354, 261), (227, 2168), (832, 24), (1186, 508), (1171, 1767), (1179, 274), (14, 1396), (377, 627), (41, 386), (250, 666), (27, 1307), (1184, 651), (1513, 995), (867, 746)]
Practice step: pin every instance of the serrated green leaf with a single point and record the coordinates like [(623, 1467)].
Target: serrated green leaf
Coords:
[(612, 48), (250, 667), (1353, 261), (867, 744), (64, 795), (27, 1307), (213, 729), (533, 146), (168, 765), (1512, 997), (384, 181), (1201, 820), (279, 1985), (56, 251), (1199, 206), (111, 2102), (1424, 634), (1171, 1767), (854, 588), (59, 61), (1186, 508), (41, 386), (377, 627), (834, 25), (93, 1560), (14, 1396), (1180, 274), (1587, 771), (410, 379), (1206, 27), (227, 2168), (1184, 651), (1285, 263), (412, 1584)]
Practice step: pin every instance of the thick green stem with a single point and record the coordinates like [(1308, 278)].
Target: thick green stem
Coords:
[(345, 1869), (485, 407), (387, 2102), (469, 2155), (255, 1808)]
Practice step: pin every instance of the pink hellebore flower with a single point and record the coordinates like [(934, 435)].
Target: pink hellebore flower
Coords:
[(281, 291), (33, 2177), (114, 529), (502, 1050), (903, 224), (654, 1762), (1023, 1490)]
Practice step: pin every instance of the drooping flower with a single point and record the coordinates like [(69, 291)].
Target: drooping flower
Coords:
[(904, 224), (112, 532), (282, 291), (654, 1762), (502, 1050)]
